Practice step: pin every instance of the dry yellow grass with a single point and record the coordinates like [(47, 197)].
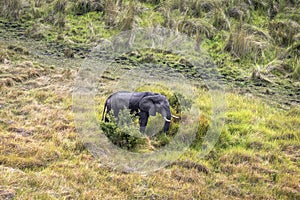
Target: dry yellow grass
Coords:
[(42, 157)]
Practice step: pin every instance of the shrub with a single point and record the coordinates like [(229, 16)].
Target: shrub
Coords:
[(125, 137)]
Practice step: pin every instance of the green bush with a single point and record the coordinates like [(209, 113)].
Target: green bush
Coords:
[(124, 133), (123, 137)]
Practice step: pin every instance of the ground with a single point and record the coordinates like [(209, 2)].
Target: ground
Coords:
[(43, 157)]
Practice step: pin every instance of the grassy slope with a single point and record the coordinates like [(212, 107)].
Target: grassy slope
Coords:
[(41, 156)]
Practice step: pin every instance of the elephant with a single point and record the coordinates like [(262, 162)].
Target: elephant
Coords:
[(144, 104)]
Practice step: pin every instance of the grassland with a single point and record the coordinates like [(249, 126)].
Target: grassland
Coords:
[(256, 49)]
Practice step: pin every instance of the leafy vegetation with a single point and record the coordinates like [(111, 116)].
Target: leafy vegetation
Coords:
[(125, 133), (255, 45)]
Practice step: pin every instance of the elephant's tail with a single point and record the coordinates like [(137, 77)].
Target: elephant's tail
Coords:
[(104, 109)]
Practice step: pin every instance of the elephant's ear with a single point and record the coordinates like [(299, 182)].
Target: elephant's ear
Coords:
[(146, 104)]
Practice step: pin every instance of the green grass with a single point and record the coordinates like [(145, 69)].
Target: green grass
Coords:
[(257, 153), (255, 157)]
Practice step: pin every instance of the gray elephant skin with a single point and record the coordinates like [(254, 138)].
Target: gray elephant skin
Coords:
[(144, 104)]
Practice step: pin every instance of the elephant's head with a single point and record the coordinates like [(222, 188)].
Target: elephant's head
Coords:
[(157, 103)]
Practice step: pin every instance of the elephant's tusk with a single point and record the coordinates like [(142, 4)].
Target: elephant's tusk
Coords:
[(175, 116), (167, 120)]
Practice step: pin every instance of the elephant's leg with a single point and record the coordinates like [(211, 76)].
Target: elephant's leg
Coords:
[(116, 114), (143, 121), (107, 111)]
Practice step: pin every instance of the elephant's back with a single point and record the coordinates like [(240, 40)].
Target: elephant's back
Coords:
[(135, 99)]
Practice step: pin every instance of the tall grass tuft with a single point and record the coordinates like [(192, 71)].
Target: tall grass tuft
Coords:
[(248, 42), (155, 2), (196, 27), (121, 15), (192, 8), (58, 15), (283, 31), (127, 18), (296, 74), (10, 9), (84, 6), (221, 21), (111, 11), (60, 6)]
